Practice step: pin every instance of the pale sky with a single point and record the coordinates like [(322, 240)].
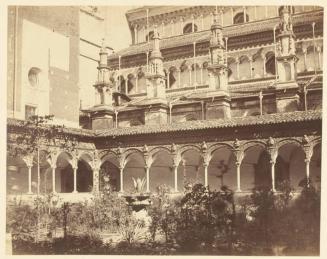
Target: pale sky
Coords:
[(118, 34)]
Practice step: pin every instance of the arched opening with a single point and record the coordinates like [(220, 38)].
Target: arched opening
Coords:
[(189, 28), (190, 169), (222, 169), (149, 36), (270, 64), (161, 172), (205, 73), (17, 176), (312, 59), (109, 174), (134, 168), (239, 18), (249, 167), (196, 71), (45, 172), (231, 63), (244, 68), (84, 177), (291, 167), (185, 74), (131, 84), (315, 166), (173, 77), (64, 177), (33, 76), (122, 84), (141, 83)]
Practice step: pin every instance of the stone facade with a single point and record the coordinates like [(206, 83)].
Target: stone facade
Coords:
[(226, 96)]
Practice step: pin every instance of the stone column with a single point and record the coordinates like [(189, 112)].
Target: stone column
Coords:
[(190, 75), (319, 57), (136, 83), (53, 179), (244, 13), (273, 152), (308, 151), (239, 155), (172, 28), (232, 15), (175, 169), (135, 34), (96, 174), (201, 75), (255, 12), (260, 100), (147, 172), (181, 24), (168, 81), (126, 85), (29, 179), (305, 59), (264, 66), (202, 24), (75, 179), (205, 166), (121, 173)]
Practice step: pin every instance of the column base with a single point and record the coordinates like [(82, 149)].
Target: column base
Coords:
[(75, 192), (29, 192)]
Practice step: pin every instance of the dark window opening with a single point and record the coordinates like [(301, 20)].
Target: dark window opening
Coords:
[(239, 18), (149, 36), (188, 28), (270, 65)]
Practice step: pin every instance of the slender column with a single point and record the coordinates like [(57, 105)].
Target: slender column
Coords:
[(264, 66), (239, 154), (308, 150), (147, 171), (147, 61), (179, 78), (232, 15), (273, 152), (181, 23), (305, 59), (75, 179), (305, 92), (319, 57), (168, 81), (175, 178), (96, 180), (260, 100), (272, 164), (163, 30), (172, 28), (222, 17), (29, 180), (192, 23), (205, 166), (201, 75), (121, 173), (277, 12), (190, 75), (255, 12), (53, 179)]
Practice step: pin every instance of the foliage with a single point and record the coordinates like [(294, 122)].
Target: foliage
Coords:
[(163, 213), (204, 216)]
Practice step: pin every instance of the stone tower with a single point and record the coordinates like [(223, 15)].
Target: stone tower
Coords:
[(102, 113), (218, 74), (287, 97)]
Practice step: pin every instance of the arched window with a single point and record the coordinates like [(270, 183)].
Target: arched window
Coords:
[(150, 35), (239, 18), (270, 64), (33, 76), (190, 27)]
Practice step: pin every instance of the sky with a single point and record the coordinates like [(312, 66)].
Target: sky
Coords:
[(118, 35)]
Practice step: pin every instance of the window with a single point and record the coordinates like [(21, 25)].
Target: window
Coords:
[(239, 18), (151, 34), (270, 64), (33, 76), (29, 111), (188, 28)]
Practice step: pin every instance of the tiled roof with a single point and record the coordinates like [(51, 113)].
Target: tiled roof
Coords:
[(268, 119)]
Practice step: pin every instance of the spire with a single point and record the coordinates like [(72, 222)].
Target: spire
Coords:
[(103, 54), (217, 45), (156, 63)]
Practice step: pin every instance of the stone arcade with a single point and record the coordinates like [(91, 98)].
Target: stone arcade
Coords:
[(215, 95)]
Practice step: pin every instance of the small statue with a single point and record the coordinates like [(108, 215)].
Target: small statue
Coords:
[(138, 184)]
